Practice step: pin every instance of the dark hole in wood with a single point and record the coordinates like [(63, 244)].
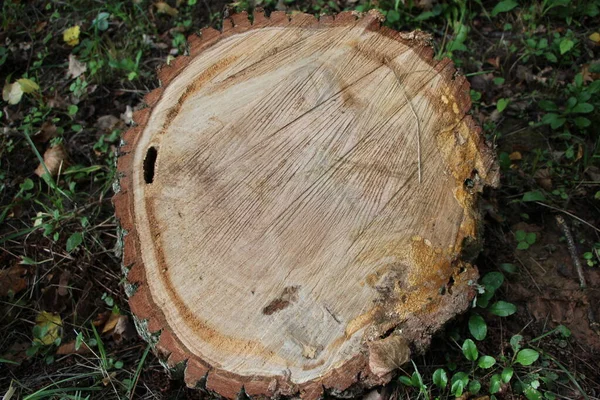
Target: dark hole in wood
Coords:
[(149, 164)]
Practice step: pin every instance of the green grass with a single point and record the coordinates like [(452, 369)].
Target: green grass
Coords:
[(534, 73)]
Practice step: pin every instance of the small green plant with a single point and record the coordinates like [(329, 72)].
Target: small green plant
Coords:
[(592, 257), (525, 239)]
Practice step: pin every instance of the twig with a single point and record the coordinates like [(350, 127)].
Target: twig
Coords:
[(569, 214), (572, 250)]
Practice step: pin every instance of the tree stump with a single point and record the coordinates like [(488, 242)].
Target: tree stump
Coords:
[(297, 200)]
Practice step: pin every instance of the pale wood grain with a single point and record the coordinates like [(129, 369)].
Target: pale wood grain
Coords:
[(307, 198)]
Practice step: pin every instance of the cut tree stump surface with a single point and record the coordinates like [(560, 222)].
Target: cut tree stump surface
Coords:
[(295, 201)]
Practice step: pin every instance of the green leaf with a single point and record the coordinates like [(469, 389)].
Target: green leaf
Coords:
[(477, 327), (501, 104), (73, 241), (493, 280), (547, 105), (474, 387), (440, 379), (551, 57), (78, 341), (583, 108), (507, 374), (26, 185), (504, 6), (486, 362), (503, 308), (520, 235), (27, 85), (459, 381), (549, 118), (564, 331), (469, 349), (508, 268), (534, 195), (393, 16), (522, 246), (495, 384), (532, 394), (515, 342), (457, 388), (405, 380), (530, 238), (558, 123), (72, 109), (527, 356), (582, 122), (566, 45)]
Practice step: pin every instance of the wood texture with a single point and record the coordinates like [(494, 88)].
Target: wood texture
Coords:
[(295, 201)]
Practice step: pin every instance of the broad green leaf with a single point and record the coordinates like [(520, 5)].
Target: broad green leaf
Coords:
[(563, 330), (459, 381), (393, 16), (26, 185), (507, 374), (549, 118), (547, 105), (534, 195), (583, 108), (477, 327), (509, 268), (469, 349), (73, 241), (531, 238), (532, 394), (502, 308), (504, 6), (457, 388), (474, 387), (527, 356), (558, 123), (440, 379), (27, 85), (520, 235), (522, 246), (515, 342), (566, 45), (493, 280), (582, 122), (47, 328), (486, 362), (495, 384), (501, 105)]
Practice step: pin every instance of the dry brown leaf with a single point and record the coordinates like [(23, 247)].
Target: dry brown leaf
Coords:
[(111, 323), (108, 123), (101, 319), (63, 283), (55, 158), (543, 177), (76, 67), (124, 330), (13, 280), (163, 8), (515, 156), (69, 348), (388, 354), (46, 132), (494, 62)]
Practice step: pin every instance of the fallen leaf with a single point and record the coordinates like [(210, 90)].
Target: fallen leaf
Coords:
[(71, 348), (27, 85), (55, 158), (40, 26), (543, 177), (12, 93), (108, 123), (63, 283), (47, 131), (111, 323), (13, 280), (71, 35), (515, 156), (76, 67), (124, 329), (386, 355), (164, 8), (48, 326), (595, 37), (494, 62), (101, 319), (127, 116)]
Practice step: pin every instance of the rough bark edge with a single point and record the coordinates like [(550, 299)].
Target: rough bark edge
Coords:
[(354, 375)]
